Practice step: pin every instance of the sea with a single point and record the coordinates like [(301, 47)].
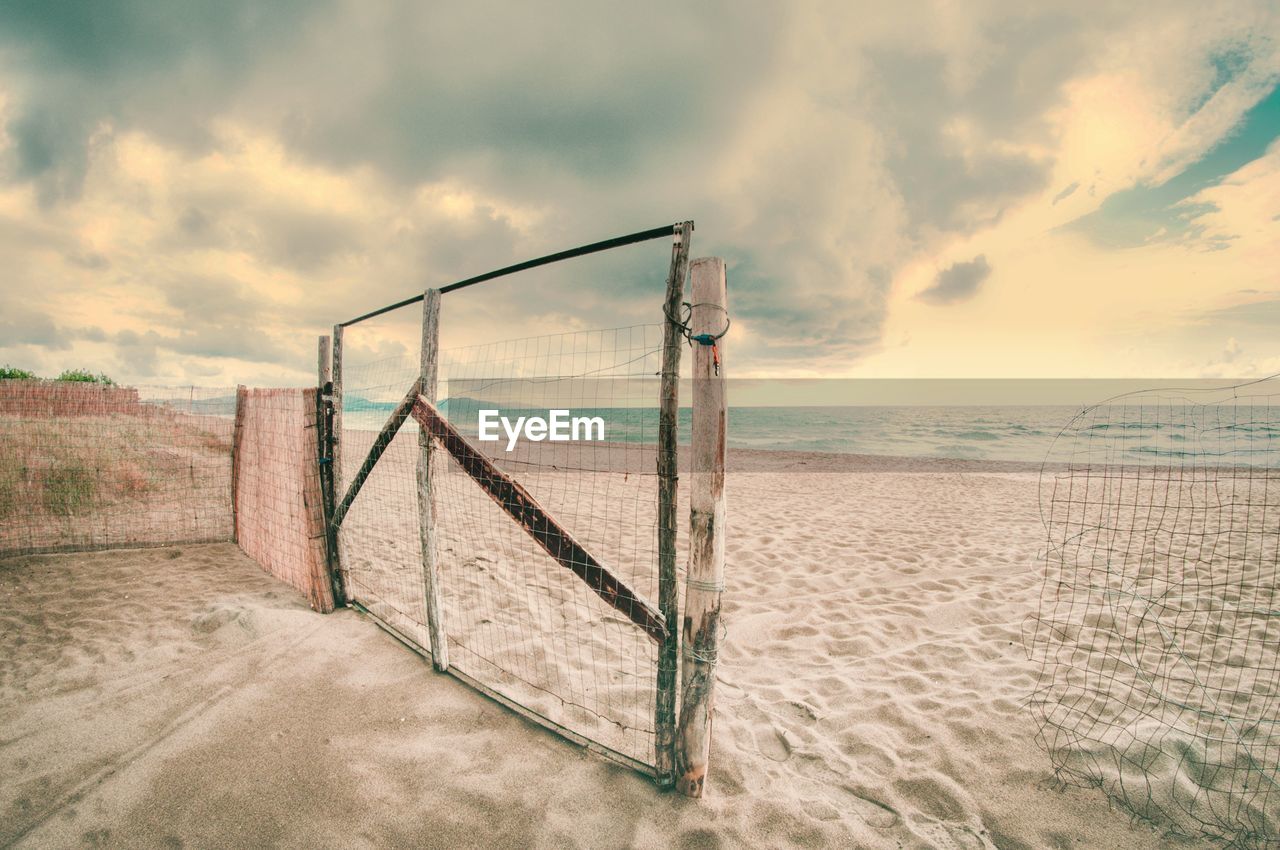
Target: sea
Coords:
[(1025, 433)]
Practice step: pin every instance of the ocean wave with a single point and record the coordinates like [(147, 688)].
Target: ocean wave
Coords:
[(976, 435)]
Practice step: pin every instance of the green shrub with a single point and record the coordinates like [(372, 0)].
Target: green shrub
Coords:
[(13, 373), (69, 488), (84, 376)]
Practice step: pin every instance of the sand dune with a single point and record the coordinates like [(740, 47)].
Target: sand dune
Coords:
[(871, 692)]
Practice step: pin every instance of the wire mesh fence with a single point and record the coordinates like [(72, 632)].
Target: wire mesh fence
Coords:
[(85, 466), (518, 621), (1158, 631), (380, 551)]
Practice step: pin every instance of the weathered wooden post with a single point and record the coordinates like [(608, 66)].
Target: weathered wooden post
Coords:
[(324, 435), (668, 409), (342, 593), (319, 579), (705, 579), (324, 366), (427, 486)]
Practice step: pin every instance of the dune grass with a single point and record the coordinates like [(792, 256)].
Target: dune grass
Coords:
[(69, 488), (73, 466)]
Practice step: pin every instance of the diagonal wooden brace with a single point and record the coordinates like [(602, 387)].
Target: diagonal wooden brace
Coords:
[(525, 510), (380, 443)]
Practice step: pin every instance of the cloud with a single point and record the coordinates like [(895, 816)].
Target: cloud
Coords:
[(546, 104), (49, 149), (331, 157), (91, 260), (1263, 313), (1066, 193), (29, 328), (77, 71), (138, 352), (958, 281), (214, 300), (1166, 210)]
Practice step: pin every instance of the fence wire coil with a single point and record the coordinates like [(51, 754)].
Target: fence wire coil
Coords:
[(1158, 630)]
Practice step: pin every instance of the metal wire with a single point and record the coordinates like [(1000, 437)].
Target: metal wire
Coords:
[(84, 466), (582, 251), (518, 622), (1157, 634)]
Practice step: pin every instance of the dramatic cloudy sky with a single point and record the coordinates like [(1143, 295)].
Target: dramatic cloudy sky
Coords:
[(190, 192)]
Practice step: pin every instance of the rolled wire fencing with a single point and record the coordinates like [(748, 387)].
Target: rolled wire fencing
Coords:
[(1158, 629)]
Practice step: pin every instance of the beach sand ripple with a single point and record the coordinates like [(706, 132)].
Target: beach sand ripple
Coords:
[(871, 695)]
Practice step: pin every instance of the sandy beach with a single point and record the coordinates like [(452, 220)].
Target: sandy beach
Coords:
[(587, 425), (872, 689)]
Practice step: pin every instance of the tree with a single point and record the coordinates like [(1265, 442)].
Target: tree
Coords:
[(13, 373)]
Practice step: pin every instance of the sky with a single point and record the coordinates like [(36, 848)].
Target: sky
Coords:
[(191, 192)]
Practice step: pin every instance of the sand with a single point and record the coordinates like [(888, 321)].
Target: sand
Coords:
[(871, 695)]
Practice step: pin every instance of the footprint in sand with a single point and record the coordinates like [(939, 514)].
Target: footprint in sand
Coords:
[(726, 688), (951, 836), (774, 742), (212, 620), (873, 812), (771, 740)]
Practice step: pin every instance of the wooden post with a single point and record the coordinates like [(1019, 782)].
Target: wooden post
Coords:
[(426, 490), (324, 437), (324, 368), (237, 450), (668, 408), (342, 593), (319, 583), (705, 578)]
